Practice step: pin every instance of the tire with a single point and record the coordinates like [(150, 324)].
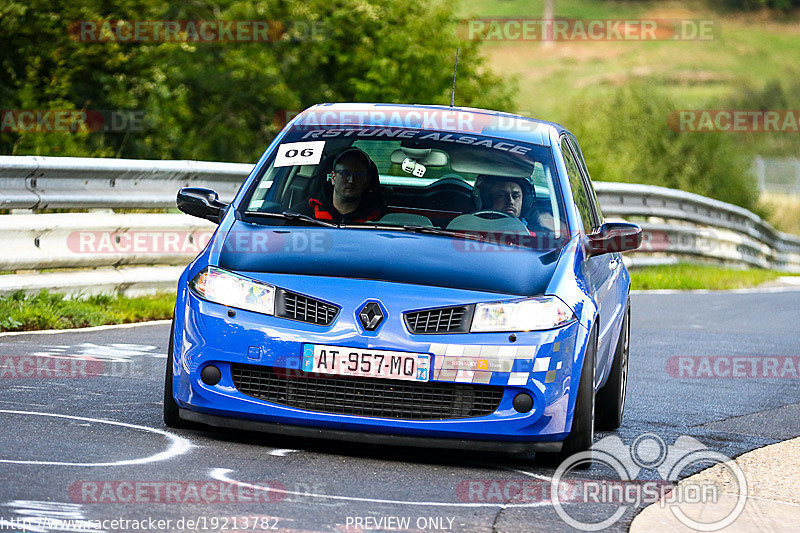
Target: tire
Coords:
[(171, 418), (581, 436), (611, 397)]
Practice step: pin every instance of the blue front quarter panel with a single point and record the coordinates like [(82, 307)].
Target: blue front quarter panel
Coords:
[(204, 333)]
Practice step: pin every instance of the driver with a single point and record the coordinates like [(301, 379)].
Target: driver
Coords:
[(353, 194), (513, 196)]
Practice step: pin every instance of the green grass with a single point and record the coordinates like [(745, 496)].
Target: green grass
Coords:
[(20, 312), (783, 211), (748, 49), (687, 276)]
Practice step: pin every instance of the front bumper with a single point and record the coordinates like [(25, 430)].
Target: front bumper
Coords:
[(538, 363), (369, 438)]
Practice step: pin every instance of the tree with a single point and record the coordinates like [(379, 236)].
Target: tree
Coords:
[(219, 101)]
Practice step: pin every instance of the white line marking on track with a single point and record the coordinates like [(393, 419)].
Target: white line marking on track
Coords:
[(81, 330), (753, 290), (282, 452), (178, 445), (221, 474), (523, 472), (529, 474)]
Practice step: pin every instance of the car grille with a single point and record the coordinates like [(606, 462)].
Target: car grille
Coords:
[(304, 308), (381, 398), (442, 320)]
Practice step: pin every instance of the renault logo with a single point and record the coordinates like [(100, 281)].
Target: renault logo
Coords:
[(370, 316)]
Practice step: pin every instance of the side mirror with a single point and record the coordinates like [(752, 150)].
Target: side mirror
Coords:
[(202, 203), (614, 237)]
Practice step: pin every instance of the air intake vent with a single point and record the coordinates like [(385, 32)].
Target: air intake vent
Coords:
[(442, 320), (381, 398), (304, 308)]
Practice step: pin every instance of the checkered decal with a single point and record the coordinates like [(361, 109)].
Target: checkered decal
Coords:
[(498, 365)]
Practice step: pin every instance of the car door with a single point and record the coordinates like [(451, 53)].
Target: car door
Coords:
[(621, 287), (602, 271)]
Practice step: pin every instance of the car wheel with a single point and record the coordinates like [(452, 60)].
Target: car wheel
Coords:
[(581, 436), (611, 397), (171, 418)]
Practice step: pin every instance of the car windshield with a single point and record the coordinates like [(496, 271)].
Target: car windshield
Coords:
[(458, 185)]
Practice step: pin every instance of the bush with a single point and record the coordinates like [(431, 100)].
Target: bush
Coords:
[(774, 95), (626, 138), (749, 5)]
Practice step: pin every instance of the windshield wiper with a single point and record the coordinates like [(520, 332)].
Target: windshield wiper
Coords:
[(433, 230), (415, 228), (293, 217)]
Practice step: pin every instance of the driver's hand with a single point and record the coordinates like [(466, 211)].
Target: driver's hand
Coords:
[(547, 222)]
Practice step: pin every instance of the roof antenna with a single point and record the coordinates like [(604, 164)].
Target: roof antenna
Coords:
[(453, 94)]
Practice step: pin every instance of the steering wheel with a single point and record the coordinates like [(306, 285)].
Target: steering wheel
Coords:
[(491, 214)]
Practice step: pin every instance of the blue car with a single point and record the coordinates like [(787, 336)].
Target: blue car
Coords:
[(411, 275)]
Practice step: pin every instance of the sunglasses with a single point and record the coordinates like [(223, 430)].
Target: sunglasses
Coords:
[(355, 175)]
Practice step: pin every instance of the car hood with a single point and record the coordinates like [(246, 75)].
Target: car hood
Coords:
[(395, 256)]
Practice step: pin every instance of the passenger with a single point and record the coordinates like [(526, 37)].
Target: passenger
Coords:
[(513, 196), (353, 194)]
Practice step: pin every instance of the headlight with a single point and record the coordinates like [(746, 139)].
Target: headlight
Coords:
[(544, 312), (226, 288)]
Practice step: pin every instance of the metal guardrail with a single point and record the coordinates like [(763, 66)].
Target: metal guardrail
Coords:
[(34, 182), (677, 224), (88, 240)]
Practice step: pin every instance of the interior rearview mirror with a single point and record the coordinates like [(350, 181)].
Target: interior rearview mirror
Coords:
[(427, 157)]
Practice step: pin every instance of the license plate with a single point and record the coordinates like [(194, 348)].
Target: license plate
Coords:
[(342, 361)]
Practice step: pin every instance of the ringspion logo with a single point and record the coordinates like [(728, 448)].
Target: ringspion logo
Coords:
[(648, 452)]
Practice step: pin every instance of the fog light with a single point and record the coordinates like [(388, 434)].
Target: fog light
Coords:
[(523, 402), (211, 376)]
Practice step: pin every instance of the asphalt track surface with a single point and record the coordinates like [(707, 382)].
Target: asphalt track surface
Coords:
[(72, 448)]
